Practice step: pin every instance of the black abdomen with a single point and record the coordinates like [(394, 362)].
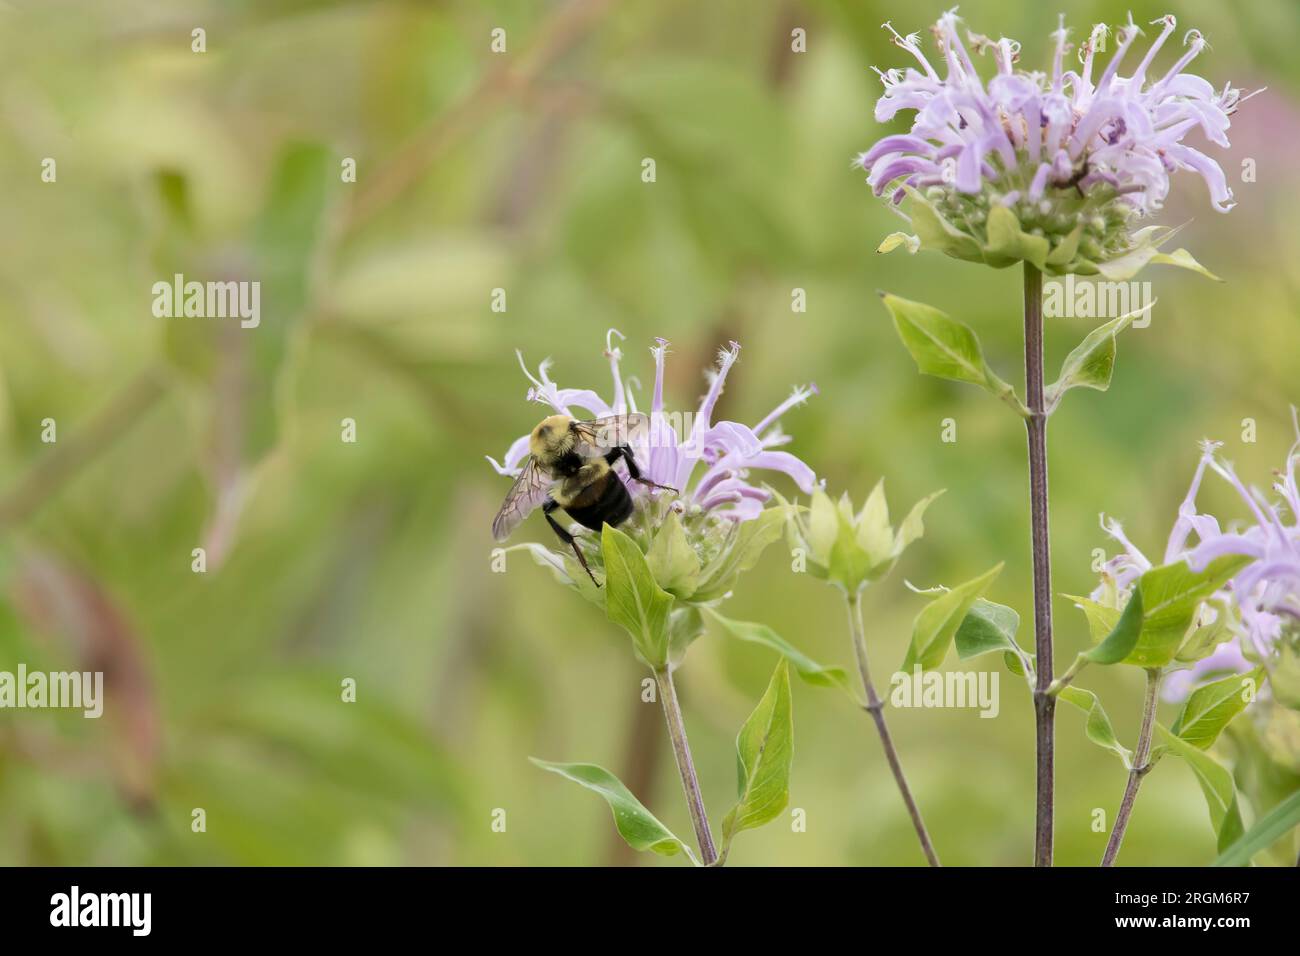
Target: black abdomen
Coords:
[(605, 502)]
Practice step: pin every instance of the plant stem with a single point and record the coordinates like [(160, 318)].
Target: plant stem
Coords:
[(66, 459), (686, 766), (1139, 770), (1044, 702), (876, 708)]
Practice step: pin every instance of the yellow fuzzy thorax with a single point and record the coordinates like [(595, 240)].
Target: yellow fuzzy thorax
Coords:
[(551, 438)]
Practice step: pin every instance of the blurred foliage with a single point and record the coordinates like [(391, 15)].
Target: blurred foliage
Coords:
[(370, 560)]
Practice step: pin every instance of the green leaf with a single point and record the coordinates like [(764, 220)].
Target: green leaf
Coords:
[(874, 535), (1122, 639), (1204, 638), (987, 627), (1017, 666), (764, 751), (807, 668), (1212, 706), (938, 621), (1098, 727), (1267, 830), (1216, 784), (935, 232), (823, 526), (1285, 677), (1066, 248), (1101, 619), (896, 239), (913, 526), (672, 560), (1171, 596), (637, 825), (942, 346), (1006, 240), (286, 237), (1092, 362), (685, 626), (632, 598), (1130, 264), (752, 538)]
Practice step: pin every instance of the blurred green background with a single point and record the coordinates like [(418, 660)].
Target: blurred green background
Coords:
[(370, 560)]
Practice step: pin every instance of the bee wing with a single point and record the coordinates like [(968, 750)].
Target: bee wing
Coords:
[(528, 491), (612, 431)]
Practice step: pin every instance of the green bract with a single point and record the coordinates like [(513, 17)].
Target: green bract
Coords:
[(1076, 235), (852, 550), (659, 569)]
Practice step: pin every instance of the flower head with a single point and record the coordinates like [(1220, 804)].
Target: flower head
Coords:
[(711, 464), (1259, 609), (1050, 167)]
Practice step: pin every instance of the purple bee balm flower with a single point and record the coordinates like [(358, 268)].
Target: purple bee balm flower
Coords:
[(1262, 600), (1266, 591), (1087, 148), (710, 463)]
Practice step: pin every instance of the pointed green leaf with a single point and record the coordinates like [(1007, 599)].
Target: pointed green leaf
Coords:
[(764, 752), (254, 360), (938, 621), (935, 232), (1006, 240), (987, 627), (874, 535), (1017, 666), (807, 668), (685, 626), (1066, 248), (1101, 619), (941, 346), (823, 526), (1098, 727), (672, 560), (1268, 829), (632, 598), (752, 538), (896, 239), (1216, 784), (1212, 706), (1121, 641), (1205, 637), (1092, 362), (1131, 263), (637, 825), (1171, 596), (913, 527)]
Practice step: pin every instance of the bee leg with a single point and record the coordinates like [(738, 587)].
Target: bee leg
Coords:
[(624, 452), (567, 538)]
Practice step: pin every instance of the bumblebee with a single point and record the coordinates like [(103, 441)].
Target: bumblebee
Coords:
[(571, 466)]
